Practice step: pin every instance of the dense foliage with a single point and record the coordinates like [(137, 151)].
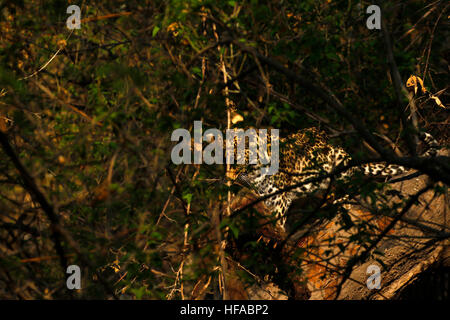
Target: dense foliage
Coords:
[(93, 127)]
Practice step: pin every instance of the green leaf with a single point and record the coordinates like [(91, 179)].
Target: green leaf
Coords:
[(187, 197), (234, 229), (155, 31), (197, 71)]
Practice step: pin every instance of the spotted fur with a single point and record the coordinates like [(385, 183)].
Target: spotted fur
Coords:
[(306, 155)]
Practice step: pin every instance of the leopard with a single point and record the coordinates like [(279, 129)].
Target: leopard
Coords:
[(304, 157)]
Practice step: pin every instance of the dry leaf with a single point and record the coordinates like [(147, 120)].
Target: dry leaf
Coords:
[(237, 118)]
